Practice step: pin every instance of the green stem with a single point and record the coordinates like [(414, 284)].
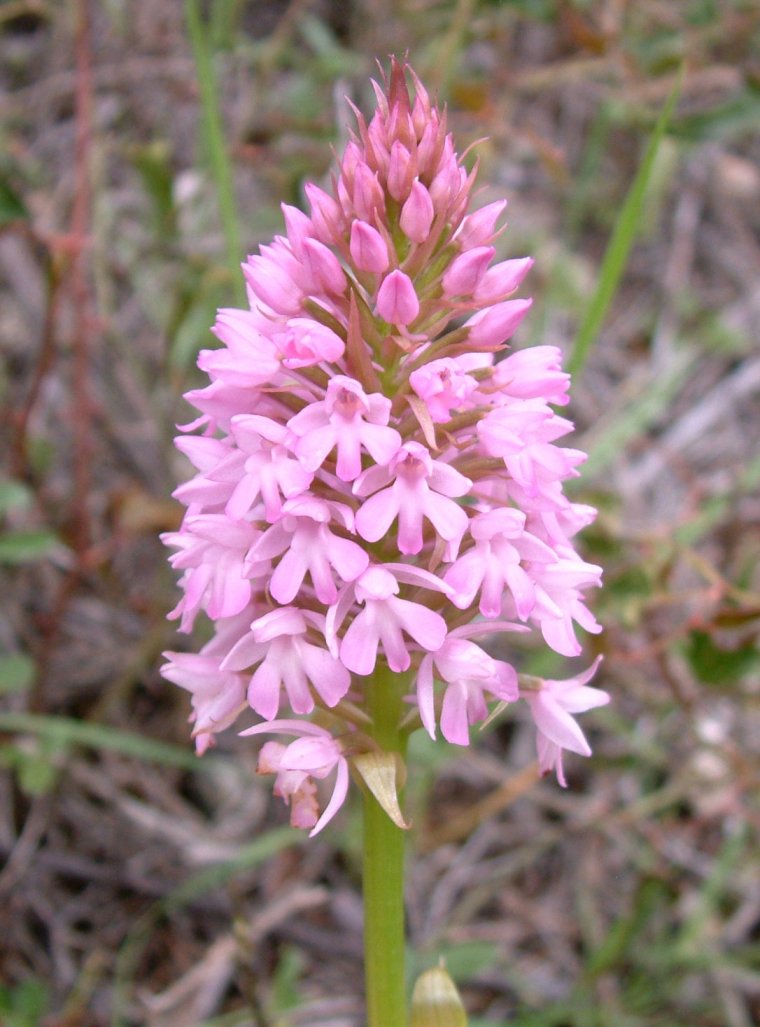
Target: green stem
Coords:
[(384, 870), (214, 139)]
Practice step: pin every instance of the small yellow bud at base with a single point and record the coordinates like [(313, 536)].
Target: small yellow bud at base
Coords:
[(436, 1001)]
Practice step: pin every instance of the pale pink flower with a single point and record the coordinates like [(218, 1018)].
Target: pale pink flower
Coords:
[(349, 420), (444, 385), (212, 552), (249, 358), (273, 279), (314, 754), (423, 489), (559, 601), (467, 672), (305, 342), (502, 558), (218, 697), (552, 705), (385, 619), (303, 535), (262, 467), (534, 373), (277, 642)]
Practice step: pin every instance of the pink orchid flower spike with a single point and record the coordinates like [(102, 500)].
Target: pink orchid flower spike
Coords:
[(378, 475)]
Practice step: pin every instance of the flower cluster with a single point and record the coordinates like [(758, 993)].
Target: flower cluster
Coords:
[(378, 484)]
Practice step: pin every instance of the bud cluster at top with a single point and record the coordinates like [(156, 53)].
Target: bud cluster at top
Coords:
[(378, 483)]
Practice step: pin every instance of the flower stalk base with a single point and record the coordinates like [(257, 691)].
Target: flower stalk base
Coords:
[(384, 872)]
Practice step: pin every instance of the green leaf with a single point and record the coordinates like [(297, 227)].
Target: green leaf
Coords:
[(36, 764), (467, 958), (26, 546), (715, 665), (16, 673), (13, 494), (12, 207), (152, 162), (286, 994), (64, 731), (37, 773), (623, 235), (25, 1004), (726, 121)]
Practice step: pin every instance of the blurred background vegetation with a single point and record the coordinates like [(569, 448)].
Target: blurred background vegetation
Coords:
[(145, 146)]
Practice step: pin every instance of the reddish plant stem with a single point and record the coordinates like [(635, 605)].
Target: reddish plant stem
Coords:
[(80, 225)]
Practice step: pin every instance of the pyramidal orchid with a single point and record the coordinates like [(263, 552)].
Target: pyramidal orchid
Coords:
[(379, 487)]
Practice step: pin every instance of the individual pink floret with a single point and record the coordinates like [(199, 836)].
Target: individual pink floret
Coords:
[(248, 358), (492, 327), (303, 535), (368, 248), (401, 171), (444, 386), (502, 558), (467, 672), (273, 278), (349, 420), (212, 552), (552, 705), (534, 373), (278, 643), (261, 468), (217, 696), (314, 754), (384, 621), (466, 271), (423, 489), (479, 228), (304, 342), (417, 213), (502, 280), (559, 601)]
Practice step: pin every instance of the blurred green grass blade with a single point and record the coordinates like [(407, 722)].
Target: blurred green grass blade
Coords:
[(250, 856), (18, 547), (623, 235), (13, 494), (213, 134), (64, 731), (12, 206), (715, 509), (16, 672), (630, 422)]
